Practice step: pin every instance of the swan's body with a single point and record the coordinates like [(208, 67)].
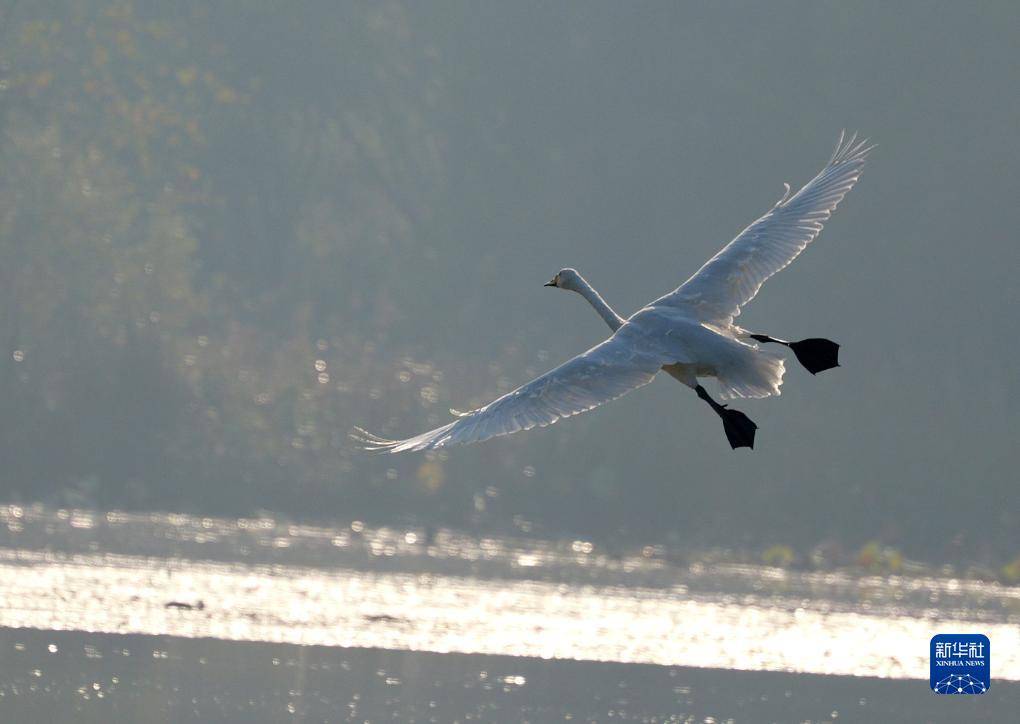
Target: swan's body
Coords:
[(689, 332)]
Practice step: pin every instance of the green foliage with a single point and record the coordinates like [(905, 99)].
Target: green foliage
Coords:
[(1011, 571), (875, 557), (778, 555)]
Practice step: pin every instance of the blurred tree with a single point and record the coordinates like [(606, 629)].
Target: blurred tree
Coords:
[(223, 224), (98, 150)]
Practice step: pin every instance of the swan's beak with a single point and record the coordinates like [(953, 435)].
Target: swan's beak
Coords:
[(550, 283)]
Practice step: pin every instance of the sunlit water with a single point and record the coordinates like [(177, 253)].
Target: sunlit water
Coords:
[(406, 590)]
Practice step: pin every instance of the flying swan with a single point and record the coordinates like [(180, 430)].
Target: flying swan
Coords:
[(688, 333)]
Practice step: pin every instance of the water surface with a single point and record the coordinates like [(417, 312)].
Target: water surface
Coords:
[(260, 619), (73, 676)]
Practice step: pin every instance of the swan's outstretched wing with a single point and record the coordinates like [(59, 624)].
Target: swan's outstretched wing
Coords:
[(731, 278), (601, 374)]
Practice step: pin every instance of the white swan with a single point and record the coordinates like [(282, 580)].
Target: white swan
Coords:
[(689, 332)]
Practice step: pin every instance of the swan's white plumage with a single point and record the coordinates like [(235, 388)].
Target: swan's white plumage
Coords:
[(603, 373), (690, 331), (732, 278)]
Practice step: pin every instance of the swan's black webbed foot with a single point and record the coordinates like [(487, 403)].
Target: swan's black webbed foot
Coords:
[(738, 426), (815, 354)]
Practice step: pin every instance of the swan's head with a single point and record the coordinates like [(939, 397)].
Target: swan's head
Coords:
[(566, 279)]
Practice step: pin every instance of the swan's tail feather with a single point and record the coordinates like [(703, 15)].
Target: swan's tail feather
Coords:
[(758, 374)]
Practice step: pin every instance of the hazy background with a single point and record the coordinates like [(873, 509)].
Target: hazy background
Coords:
[(230, 231)]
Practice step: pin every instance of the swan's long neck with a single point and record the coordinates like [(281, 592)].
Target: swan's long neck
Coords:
[(587, 291)]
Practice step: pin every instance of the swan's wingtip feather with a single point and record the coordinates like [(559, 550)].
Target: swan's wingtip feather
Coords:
[(852, 150), (370, 442), (362, 435), (839, 146)]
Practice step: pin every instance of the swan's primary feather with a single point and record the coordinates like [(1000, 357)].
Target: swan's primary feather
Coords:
[(603, 373), (732, 278)]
